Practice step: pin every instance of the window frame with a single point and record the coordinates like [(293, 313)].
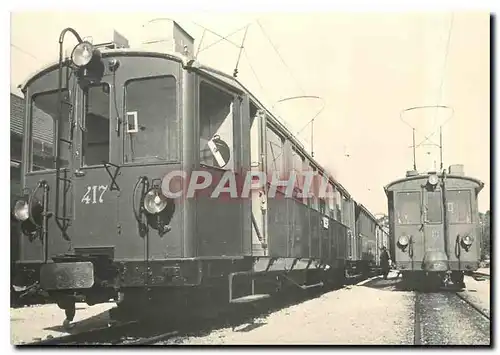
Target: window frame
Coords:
[(397, 207), (84, 116), (124, 122), (29, 156), (269, 126), (298, 186), (237, 107), (470, 205), (427, 203)]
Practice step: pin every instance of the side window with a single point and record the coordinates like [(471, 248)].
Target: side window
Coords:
[(216, 127), (331, 202), (151, 120), (339, 206), (275, 153), (346, 215), (253, 113), (313, 190), (320, 179), (255, 159), (322, 206), (95, 148), (297, 166), (44, 112)]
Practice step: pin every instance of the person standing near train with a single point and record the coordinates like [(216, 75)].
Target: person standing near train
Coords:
[(384, 262)]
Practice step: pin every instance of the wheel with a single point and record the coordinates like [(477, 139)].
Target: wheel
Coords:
[(457, 277)]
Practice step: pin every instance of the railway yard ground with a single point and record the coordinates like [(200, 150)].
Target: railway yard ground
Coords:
[(371, 312)]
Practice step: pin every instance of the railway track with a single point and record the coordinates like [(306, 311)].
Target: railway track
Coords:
[(473, 305), (129, 333), (478, 275), (431, 308)]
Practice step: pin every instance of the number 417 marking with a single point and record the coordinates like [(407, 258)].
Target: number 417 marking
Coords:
[(91, 194)]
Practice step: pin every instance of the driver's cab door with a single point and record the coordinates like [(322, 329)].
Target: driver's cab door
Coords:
[(219, 208)]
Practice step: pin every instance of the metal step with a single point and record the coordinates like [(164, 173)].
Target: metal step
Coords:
[(250, 298)]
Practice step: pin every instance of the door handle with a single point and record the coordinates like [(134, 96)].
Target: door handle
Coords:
[(118, 123)]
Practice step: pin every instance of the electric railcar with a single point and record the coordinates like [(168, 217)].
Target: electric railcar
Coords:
[(95, 221), (434, 225)]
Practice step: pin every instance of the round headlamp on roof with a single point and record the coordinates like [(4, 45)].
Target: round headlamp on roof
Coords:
[(82, 54), (433, 179)]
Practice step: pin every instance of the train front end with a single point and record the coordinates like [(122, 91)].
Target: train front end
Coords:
[(102, 129), (434, 225)]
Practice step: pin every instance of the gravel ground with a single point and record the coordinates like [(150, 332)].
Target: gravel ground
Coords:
[(447, 320), (373, 312), (485, 270), (37, 322), (369, 313)]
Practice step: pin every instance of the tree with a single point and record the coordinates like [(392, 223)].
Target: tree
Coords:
[(484, 221)]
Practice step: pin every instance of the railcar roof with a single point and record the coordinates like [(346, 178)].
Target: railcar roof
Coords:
[(217, 74), (425, 176)]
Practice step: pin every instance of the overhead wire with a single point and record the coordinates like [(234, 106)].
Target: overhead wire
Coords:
[(280, 57), (24, 51), (443, 74)]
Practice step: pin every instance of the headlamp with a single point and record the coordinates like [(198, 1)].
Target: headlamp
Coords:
[(403, 240), (21, 210), (467, 240), (82, 54), (433, 180), (154, 201)]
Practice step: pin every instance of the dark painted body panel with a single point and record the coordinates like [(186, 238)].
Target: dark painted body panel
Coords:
[(201, 229), (441, 238)]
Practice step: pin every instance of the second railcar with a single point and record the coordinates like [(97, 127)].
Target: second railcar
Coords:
[(434, 224)]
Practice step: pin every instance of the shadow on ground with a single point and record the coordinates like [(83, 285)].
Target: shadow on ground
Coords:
[(396, 283), (99, 320)]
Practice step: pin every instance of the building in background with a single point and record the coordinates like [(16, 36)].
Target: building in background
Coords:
[(42, 141), (16, 144)]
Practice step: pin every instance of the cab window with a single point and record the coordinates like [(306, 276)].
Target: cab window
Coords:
[(408, 208), (151, 122), (95, 149), (458, 206), (434, 207)]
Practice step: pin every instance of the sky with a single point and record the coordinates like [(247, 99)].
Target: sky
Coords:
[(366, 67)]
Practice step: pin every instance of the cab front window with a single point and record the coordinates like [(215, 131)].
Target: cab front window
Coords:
[(151, 123), (434, 207), (458, 206), (408, 208)]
